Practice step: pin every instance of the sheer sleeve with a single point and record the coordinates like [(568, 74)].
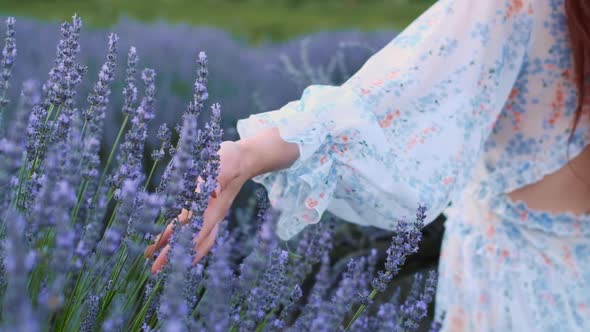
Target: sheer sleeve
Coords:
[(408, 127)]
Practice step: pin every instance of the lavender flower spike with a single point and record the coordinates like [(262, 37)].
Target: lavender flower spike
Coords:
[(174, 307), (8, 55), (200, 89), (17, 313), (130, 90), (98, 98), (404, 243)]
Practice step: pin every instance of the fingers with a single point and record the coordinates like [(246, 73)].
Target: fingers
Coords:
[(184, 216), (212, 216), (161, 240), (202, 250), (204, 247), (161, 260), (215, 212)]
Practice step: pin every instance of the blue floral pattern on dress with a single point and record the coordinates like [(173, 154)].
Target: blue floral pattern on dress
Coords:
[(473, 100)]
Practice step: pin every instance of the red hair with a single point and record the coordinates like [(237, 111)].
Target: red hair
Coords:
[(578, 23)]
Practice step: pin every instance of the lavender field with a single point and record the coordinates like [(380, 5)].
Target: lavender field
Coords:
[(100, 143)]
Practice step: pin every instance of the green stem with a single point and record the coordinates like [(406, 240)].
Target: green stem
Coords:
[(83, 129), (360, 310), (112, 218), (1, 108), (111, 155), (87, 291), (147, 182), (199, 290), (46, 138), (49, 113), (262, 325), (141, 316), (15, 202), (73, 302), (79, 201), (85, 122)]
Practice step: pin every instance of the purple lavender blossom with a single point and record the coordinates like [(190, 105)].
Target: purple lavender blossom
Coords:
[(115, 234), (64, 74), (181, 174), (314, 243), (266, 295), (130, 159), (193, 279), (182, 163), (209, 157), (289, 307), (99, 97), (92, 309), (404, 243), (8, 55), (92, 231), (147, 209), (153, 304), (64, 199), (436, 324), (174, 308), (349, 287), (130, 90), (56, 196), (71, 76), (18, 313), (200, 87), (415, 307), (253, 263), (29, 96), (10, 162), (50, 122), (316, 299), (363, 324), (117, 317), (215, 308), (388, 314), (36, 129), (165, 136), (101, 89)]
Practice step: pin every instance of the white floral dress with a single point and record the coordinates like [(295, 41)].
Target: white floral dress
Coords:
[(473, 100)]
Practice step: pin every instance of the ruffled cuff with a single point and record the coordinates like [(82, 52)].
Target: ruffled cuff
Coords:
[(303, 191)]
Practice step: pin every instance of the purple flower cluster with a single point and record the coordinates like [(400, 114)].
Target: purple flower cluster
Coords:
[(73, 229), (8, 55)]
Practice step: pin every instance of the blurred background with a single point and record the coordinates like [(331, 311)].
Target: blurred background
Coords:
[(262, 54)]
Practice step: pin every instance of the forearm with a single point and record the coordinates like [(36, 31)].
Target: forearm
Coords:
[(266, 152)]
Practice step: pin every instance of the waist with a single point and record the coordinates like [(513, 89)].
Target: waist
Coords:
[(479, 207)]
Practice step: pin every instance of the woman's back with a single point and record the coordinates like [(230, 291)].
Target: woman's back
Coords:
[(526, 153), (564, 191)]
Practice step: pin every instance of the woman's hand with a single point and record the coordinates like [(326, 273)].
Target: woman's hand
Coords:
[(231, 178), (258, 154)]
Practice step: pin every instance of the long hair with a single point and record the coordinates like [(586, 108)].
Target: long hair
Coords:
[(578, 23)]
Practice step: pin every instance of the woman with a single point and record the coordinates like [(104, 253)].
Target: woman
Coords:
[(481, 103)]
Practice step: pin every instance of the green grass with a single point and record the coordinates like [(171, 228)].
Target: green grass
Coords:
[(251, 20)]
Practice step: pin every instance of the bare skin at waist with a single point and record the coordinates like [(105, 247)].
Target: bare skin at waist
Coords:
[(564, 191)]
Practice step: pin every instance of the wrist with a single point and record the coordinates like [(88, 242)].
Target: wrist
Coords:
[(247, 159), (266, 152)]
